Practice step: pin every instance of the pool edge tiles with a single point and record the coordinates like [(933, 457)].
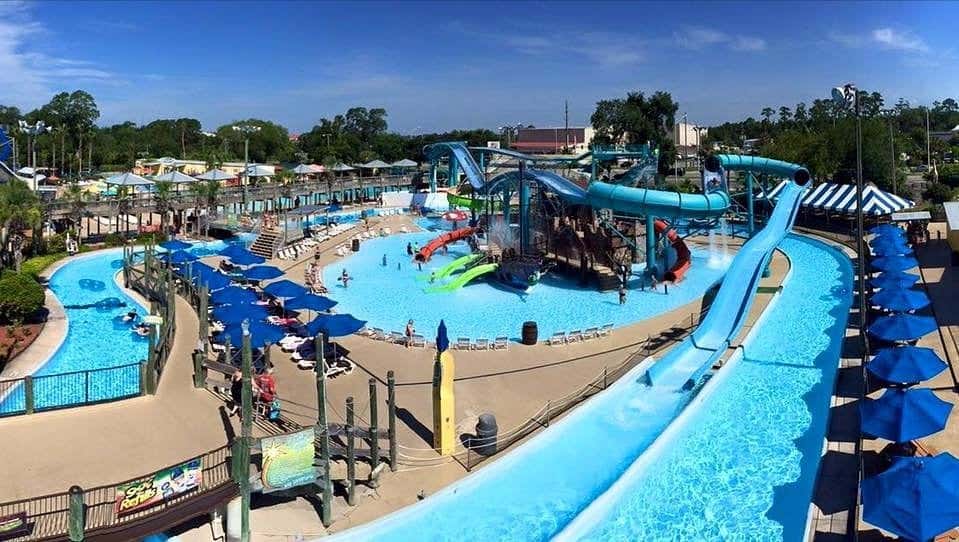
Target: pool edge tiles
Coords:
[(755, 480)]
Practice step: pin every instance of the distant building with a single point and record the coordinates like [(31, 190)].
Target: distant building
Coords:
[(553, 140), (945, 136), (294, 137), (159, 166), (687, 138)]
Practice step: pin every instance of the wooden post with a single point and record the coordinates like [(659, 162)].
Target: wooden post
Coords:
[(199, 374), (246, 432), (151, 380), (204, 318), (143, 377), (374, 427), (28, 397), (391, 408), (350, 453), (323, 434), (77, 521)]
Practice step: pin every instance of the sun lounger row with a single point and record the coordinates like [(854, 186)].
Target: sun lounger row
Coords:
[(464, 343), (579, 335), (393, 337)]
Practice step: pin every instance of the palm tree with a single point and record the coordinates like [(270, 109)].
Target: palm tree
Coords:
[(19, 211), (163, 199), (77, 199), (205, 195)]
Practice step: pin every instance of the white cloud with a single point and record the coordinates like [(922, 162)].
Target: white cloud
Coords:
[(696, 38), (901, 41)]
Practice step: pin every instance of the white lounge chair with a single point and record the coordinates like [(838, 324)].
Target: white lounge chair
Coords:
[(481, 344), (590, 333), (501, 343), (605, 329), (306, 364), (462, 343), (574, 336), (418, 341), (557, 338), (396, 338), (377, 334)]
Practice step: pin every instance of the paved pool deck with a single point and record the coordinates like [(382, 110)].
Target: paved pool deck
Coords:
[(107, 443)]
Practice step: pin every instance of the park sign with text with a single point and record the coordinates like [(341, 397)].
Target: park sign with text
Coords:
[(287, 461), (161, 486)]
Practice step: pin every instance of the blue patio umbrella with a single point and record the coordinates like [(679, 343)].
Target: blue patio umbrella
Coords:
[(906, 364), (203, 274), (181, 257), (884, 228), (284, 289), (902, 327), (901, 415), (900, 300), (442, 338), (891, 250), (916, 498), (894, 263), (334, 325), (234, 314), (894, 279), (241, 256), (261, 333), (175, 244), (311, 302), (262, 272), (890, 237), (233, 296)]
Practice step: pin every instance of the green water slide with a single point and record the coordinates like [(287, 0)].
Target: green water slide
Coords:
[(452, 267), (477, 204), (461, 280)]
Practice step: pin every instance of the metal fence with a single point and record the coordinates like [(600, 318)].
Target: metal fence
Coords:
[(49, 392)]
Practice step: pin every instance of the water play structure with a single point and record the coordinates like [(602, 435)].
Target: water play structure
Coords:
[(534, 492)]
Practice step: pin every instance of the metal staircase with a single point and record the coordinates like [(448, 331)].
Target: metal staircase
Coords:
[(267, 243)]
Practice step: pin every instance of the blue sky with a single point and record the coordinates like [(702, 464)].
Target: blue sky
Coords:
[(443, 65)]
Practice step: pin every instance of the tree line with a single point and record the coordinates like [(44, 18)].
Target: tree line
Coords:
[(76, 143)]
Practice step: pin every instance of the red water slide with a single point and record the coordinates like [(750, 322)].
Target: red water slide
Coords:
[(426, 252), (683, 256)]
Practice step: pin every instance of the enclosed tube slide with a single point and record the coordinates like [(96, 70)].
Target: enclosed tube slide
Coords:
[(426, 252), (727, 314), (683, 256)]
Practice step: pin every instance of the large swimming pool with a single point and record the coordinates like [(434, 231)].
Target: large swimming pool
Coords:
[(96, 338), (388, 296), (747, 476)]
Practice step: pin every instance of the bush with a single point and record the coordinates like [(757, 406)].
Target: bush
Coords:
[(34, 266), (21, 296), (938, 193), (57, 243), (949, 174)]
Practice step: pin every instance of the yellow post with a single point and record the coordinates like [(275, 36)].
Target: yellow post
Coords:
[(444, 411)]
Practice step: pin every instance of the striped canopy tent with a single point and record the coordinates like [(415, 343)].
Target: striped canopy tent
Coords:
[(841, 198)]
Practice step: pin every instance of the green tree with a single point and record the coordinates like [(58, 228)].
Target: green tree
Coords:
[(19, 212), (938, 193), (784, 115), (20, 297), (638, 119), (163, 199), (77, 199), (271, 143)]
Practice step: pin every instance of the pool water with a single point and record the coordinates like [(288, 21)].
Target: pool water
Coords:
[(386, 297), (535, 491), (713, 477), (96, 337)]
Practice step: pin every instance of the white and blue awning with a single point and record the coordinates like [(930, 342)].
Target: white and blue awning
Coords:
[(841, 198)]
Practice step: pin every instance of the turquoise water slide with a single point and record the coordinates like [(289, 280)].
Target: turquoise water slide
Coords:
[(658, 203), (727, 313), (463, 279)]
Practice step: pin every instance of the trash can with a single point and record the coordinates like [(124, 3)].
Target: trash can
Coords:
[(356, 245), (486, 432), (530, 333)]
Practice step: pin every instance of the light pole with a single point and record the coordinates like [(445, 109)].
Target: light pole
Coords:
[(32, 131), (848, 96), (246, 130)]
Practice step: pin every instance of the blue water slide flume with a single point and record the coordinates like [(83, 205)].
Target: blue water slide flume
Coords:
[(534, 491)]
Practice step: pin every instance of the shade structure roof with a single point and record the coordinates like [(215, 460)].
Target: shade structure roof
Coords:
[(894, 263), (128, 179), (406, 162), (905, 364), (175, 177), (334, 325), (901, 415), (311, 302), (900, 299), (262, 272), (902, 327), (375, 164), (285, 289), (259, 170), (203, 274), (342, 167), (304, 169), (176, 244), (916, 498), (215, 175), (841, 198)]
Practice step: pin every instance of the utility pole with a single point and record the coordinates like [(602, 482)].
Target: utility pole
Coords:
[(892, 151), (928, 154), (567, 125)]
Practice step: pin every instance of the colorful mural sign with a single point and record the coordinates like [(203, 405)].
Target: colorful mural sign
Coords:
[(287, 461), (159, 487)]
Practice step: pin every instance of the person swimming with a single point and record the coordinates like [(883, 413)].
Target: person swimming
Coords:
[(130, 316)]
